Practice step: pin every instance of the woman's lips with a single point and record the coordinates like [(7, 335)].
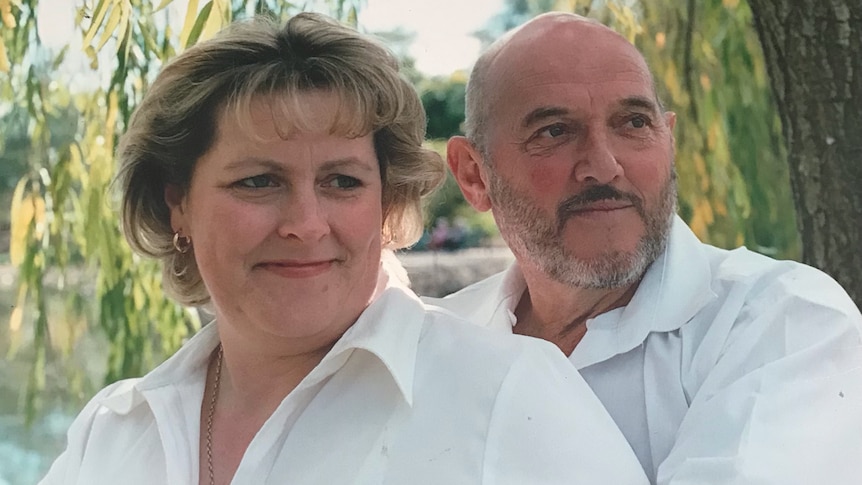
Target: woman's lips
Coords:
[(297, 269)]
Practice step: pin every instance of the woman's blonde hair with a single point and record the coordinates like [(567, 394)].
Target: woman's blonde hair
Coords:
[(176, 123)]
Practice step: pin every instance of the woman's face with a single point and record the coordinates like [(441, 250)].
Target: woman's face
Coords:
[(286, 232)]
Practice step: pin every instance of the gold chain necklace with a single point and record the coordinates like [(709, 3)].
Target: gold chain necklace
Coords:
[(209, 444)]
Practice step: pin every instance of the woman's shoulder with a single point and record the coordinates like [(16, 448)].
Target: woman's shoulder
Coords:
[(112, 399)]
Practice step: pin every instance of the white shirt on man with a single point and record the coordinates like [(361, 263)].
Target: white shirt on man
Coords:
[(725, 367), (408, 395)]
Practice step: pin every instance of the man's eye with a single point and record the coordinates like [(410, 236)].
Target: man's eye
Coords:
[(639, 121), (553, 131), (344, 182), (256, 182)]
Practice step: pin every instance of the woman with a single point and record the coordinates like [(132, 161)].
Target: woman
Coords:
[(269, 169)]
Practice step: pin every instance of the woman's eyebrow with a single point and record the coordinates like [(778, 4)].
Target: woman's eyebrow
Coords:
[(351, 161), (243, 163)]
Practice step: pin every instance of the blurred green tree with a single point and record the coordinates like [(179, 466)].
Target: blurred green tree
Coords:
[(443, 99)]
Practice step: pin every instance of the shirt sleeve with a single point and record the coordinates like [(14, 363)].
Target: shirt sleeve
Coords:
[(65, 468), (547, 427), (783, 402)]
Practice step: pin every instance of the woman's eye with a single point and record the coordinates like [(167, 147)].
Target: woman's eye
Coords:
[(344, 182), (256, 182)]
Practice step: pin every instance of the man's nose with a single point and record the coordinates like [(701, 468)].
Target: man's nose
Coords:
[(303, 216), (595, 160)]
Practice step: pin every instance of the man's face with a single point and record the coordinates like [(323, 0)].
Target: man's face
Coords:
[(579, 160)]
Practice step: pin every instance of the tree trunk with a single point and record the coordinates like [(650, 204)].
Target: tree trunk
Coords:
[(813, 52)]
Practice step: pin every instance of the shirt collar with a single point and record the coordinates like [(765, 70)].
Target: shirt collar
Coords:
[(388, 328), (189, 362), (674, 288), (489, 303)]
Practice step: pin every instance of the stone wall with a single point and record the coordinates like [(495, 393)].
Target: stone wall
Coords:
[(438, 273)]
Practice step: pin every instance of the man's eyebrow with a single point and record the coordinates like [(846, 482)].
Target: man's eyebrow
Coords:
[(641, 102), (543, 113)]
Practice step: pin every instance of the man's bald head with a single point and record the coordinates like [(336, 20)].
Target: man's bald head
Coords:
[(520, 48)]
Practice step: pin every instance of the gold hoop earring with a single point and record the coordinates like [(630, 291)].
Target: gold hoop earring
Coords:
[(182, 243)]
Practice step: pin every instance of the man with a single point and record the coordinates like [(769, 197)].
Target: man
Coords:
[(718, 366)]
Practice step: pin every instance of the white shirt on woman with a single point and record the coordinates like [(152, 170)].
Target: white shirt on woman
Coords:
[(726, 367), (409, 395)]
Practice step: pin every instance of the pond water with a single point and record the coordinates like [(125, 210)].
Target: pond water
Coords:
[(27, 451)]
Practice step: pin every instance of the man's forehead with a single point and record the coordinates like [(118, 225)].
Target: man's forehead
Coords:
[(571, 44), (553, 109), (579, 89), (550, 56)]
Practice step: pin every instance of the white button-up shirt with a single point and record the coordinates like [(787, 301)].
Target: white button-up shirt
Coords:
[(725, 367), (409, 395)]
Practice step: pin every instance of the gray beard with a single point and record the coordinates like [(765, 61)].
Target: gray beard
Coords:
[(531, 235)]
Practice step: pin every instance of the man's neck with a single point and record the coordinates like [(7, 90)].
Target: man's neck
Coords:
[(558, 313)]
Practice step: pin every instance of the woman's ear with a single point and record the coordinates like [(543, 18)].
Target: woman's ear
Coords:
[(467, 167), (175, 199)]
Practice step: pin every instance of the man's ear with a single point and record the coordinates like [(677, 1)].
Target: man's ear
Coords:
[(175, 199), (670, 119), (466, 165)]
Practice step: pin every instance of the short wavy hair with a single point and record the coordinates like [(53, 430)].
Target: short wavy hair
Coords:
[(176, 123)]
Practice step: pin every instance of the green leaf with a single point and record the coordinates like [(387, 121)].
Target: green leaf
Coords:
[(22, 216), (17, 318), (149, 39), (162, 5), (90, 51), (59, 58), (4, 57), (6, 14), (98, 17), (110, 27), (191, 14), (125, 14), (199, 25)]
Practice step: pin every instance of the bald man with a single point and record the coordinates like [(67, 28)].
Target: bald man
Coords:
[(718, 366)]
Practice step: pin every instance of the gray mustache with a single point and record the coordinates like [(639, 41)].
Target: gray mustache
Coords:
[(593, 194)]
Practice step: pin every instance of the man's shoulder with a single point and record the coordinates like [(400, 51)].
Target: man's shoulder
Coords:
[(482, 288), (770, 281), (765, 308), (476, 302), (449, 332)]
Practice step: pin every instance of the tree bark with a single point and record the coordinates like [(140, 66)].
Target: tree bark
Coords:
[(813, 52)]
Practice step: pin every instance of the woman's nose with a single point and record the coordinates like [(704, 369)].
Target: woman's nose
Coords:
[(303, 217)]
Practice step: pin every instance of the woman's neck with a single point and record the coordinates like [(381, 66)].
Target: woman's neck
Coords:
[(255, 381)]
